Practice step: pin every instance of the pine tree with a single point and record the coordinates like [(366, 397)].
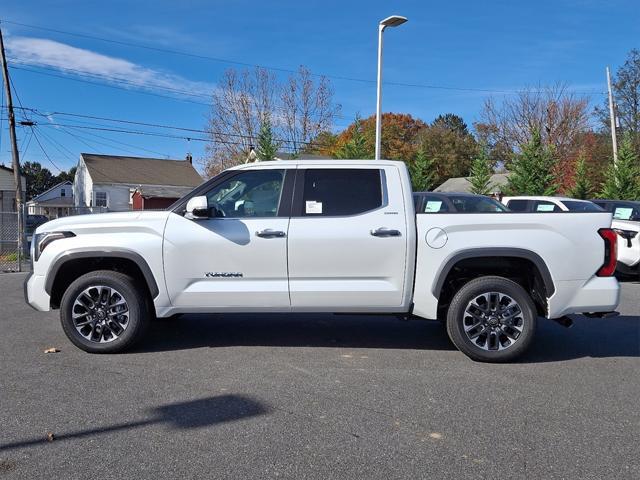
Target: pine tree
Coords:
[(481, 171), (532, 169), (356, 147), (622, 180), (582, 187), (267, 146), (422, 171)]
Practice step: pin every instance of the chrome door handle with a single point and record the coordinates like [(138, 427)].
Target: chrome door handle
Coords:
[(268, 233), (385, 232)]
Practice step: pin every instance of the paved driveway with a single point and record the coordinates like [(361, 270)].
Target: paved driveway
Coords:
[(283, 396)]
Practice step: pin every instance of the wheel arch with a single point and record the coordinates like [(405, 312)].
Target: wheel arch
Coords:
[(70, 265), (513, 263)]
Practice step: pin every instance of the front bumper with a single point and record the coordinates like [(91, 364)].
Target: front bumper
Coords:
[(34, 293)]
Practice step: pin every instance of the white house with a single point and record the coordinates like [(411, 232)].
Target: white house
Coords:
[(55, 202), (108, 182), (8, 189)]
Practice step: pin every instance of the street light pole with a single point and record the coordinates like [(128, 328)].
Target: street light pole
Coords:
[(392, 21)]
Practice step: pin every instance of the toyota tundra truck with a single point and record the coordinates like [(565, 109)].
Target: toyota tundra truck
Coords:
[(333, 236)]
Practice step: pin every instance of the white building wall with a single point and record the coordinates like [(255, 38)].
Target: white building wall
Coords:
[(118, 196), (6, 181)]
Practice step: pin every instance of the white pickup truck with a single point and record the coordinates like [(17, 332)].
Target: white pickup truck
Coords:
[(323, 236)]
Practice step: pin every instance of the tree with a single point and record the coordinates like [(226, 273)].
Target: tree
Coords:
[(452, 122), (451, 151), (399, 136), (308, 109), (532, 169), (582, 187), (38, 179), (622, 180), (422, 172), (356, 146), (626, 93), (558, 116), (267, 146), (481, 171), (299, 109), (66, 176)]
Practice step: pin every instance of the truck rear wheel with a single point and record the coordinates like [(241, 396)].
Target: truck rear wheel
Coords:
[(103, 312), (491, 319)]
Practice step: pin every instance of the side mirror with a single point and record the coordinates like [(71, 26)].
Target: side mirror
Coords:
[(197, 208)]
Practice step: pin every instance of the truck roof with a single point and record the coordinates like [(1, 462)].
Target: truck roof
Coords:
[(316, 161), (543, 197)]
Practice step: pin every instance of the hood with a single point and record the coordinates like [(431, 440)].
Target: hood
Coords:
[(98, 220)]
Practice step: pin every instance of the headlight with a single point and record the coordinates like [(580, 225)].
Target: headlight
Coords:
[(41, 240)]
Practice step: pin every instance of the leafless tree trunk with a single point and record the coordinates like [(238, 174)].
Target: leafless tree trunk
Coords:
[(299, 109), (308, 109), (559, 115)]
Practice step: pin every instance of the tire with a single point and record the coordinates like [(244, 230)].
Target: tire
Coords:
[(104, 312), (488, 334)]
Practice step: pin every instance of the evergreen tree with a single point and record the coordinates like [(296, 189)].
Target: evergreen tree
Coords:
[(481, 171), (356, 146), (532, 169), (422, 171), (267, 146), (622, 180), (582, 187)]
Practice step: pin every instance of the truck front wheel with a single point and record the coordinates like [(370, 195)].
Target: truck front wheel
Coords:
[(103, 312), (491, 319)]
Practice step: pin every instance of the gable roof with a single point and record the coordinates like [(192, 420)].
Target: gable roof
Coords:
[(461, 184), (140, 170), (66, 182)]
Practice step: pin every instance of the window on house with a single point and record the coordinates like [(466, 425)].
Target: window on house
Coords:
[(63, 193), (101, 199)]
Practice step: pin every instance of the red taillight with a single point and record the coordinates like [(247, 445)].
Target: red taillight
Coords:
[(608, 268)]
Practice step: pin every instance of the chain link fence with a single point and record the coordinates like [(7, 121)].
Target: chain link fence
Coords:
[(11, 259)]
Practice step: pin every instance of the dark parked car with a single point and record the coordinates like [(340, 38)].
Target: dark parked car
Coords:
[(621, 209), (440, 202)]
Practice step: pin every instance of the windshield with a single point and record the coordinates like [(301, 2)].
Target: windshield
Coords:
[(479, 204), (574, 206)]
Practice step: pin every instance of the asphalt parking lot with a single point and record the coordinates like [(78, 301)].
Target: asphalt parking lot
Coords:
[(317, 396)]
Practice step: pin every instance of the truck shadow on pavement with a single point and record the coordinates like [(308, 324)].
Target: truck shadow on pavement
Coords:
[(204, 412), (293, 330), (589, 337)]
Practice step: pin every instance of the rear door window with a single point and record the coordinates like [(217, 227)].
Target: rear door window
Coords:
[(624, 213), (542, 206), (433, 204), (341, 191), (518, 205)]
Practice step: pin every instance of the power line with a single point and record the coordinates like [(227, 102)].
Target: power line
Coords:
[(43, 150), (281, 69), (155, 125)]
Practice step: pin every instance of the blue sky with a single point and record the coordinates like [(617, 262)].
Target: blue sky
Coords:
[(493, 45)]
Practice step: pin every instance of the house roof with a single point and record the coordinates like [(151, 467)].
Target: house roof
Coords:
[(140, 171), (53, 202), (462, 184), (163, 191), (10, 170), (66, 182)]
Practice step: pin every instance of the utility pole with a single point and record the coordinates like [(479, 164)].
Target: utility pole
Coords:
[(17, 178), (612, 116)]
